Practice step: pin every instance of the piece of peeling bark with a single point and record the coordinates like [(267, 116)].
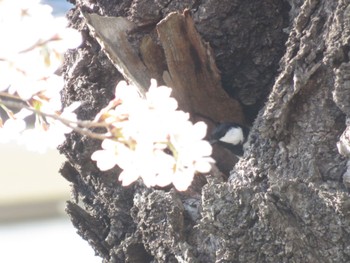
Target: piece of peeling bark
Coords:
[(192, 71), (111, 33)]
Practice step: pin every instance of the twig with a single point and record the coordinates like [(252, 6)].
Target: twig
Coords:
[(74, 125)]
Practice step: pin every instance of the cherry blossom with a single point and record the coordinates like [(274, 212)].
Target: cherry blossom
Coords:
[(147, 136), (152, 140), (31, 51)]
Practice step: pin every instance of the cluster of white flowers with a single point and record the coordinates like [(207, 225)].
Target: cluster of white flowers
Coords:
[(31, 50), (151, 139), (147, 136)]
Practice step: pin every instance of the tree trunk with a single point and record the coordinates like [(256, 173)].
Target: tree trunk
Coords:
[(281, 67)]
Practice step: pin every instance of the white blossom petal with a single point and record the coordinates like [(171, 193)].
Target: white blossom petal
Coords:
[(105, 160)]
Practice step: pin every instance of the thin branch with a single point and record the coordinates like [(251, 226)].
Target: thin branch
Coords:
[(41, 43), (87, 132), (74, 125), (10, 96)]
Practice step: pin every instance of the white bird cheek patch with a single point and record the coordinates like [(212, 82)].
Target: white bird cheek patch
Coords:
[(233, 136)]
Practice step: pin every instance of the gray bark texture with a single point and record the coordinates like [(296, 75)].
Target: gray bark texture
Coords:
[(287, 65)]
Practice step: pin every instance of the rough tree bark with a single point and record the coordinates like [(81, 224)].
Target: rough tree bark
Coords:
[(285, 66)]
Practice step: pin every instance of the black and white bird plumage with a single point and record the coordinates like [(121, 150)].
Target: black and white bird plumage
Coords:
[(231, 136)]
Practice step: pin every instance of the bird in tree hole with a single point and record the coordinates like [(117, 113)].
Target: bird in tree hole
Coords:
[(232, 136)]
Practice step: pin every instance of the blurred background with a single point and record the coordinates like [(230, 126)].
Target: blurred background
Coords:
[(33, 224)]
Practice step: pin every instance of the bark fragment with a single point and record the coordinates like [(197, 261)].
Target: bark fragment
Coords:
[(192, 71)]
